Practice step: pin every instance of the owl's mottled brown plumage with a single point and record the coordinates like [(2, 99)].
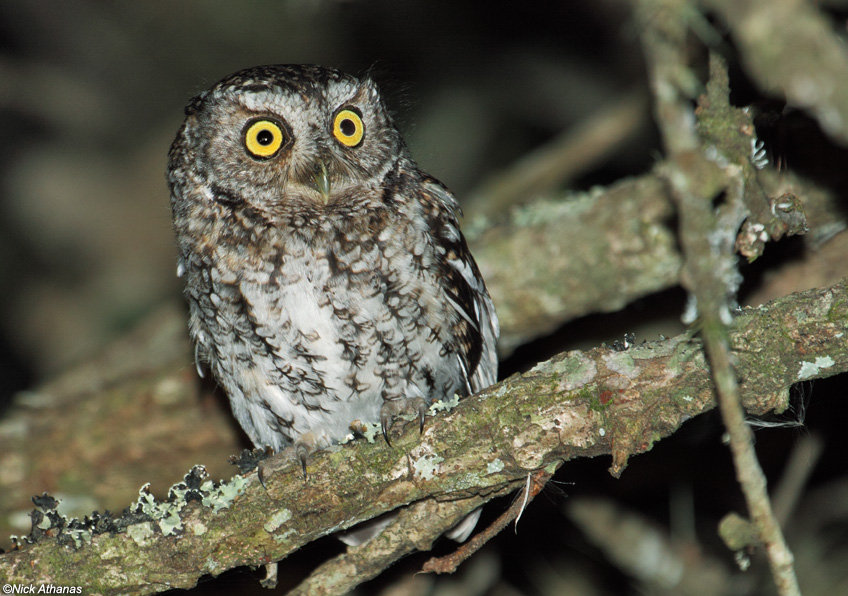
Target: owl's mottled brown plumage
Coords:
[(326, 275)]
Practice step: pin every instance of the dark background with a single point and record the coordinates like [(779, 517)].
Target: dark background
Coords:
[(92, 94)]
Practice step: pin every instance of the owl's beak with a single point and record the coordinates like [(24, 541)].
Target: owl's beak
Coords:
[(321, 182)]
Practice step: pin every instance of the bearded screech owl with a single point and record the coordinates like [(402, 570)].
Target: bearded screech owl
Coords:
[(326, 275)]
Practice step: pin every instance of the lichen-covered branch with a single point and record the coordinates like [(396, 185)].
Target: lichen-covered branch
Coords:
[(576, 404), (544, 264), (554, 260)]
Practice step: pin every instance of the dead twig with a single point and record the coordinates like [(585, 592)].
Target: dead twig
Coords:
[(449, 563)]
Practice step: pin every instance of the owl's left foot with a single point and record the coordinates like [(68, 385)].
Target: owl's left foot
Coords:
[(303, 447), (395, 408)]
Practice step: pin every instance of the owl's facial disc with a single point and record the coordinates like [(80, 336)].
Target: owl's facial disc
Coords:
[(300, 151)]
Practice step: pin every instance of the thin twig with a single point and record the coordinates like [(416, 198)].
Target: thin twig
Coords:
[(748, 471), (415, 528), (449, 563), (707, 239)]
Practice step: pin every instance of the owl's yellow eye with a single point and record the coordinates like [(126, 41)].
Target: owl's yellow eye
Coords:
[(263, 138), (348, 127)]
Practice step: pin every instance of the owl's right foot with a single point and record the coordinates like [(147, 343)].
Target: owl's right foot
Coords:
[(395, 408)]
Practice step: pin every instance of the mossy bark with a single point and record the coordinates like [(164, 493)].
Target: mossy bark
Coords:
[(577, 404)]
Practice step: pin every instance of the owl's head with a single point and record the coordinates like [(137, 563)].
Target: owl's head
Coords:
[(282, 137)]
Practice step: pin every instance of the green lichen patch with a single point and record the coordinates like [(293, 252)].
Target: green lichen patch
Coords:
[(196, 527), (221, 496), (650, 350), (623, 364), (141, 533), (494, 466), (171, 523), (281, 538), (370, 431), (444, 405), (546, 212), (574, 370), (684, 353), (167, 513), (277, 520), (427, 466)]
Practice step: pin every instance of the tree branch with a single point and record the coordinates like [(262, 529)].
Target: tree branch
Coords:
[(544, 263), (554, 260), (708, 236), (576, 404)]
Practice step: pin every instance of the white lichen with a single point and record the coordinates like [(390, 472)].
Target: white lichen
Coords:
[(427, 466), (444, 405), (575, 370), (196, 527), (222, 496), (280, 538), (141, 533), (277, 520), (167, 514), (146, 501), (494, 466), (811, 369), (622, 363), (171, 522), (80, 537), (371, 431)]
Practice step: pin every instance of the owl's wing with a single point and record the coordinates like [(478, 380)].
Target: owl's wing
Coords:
[(466, 292)]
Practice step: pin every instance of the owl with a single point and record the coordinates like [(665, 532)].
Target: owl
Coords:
[(326, 275)]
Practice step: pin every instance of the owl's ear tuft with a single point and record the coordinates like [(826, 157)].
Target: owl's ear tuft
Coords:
[(195, 103), (369, 87)]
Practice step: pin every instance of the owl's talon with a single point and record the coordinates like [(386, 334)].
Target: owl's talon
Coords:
[(385, 425), (302, 453), (260, 474), (395, 408), (422, 413)]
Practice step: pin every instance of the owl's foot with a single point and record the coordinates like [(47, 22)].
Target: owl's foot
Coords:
[(302, 454), (304, 446), (395, 408)]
